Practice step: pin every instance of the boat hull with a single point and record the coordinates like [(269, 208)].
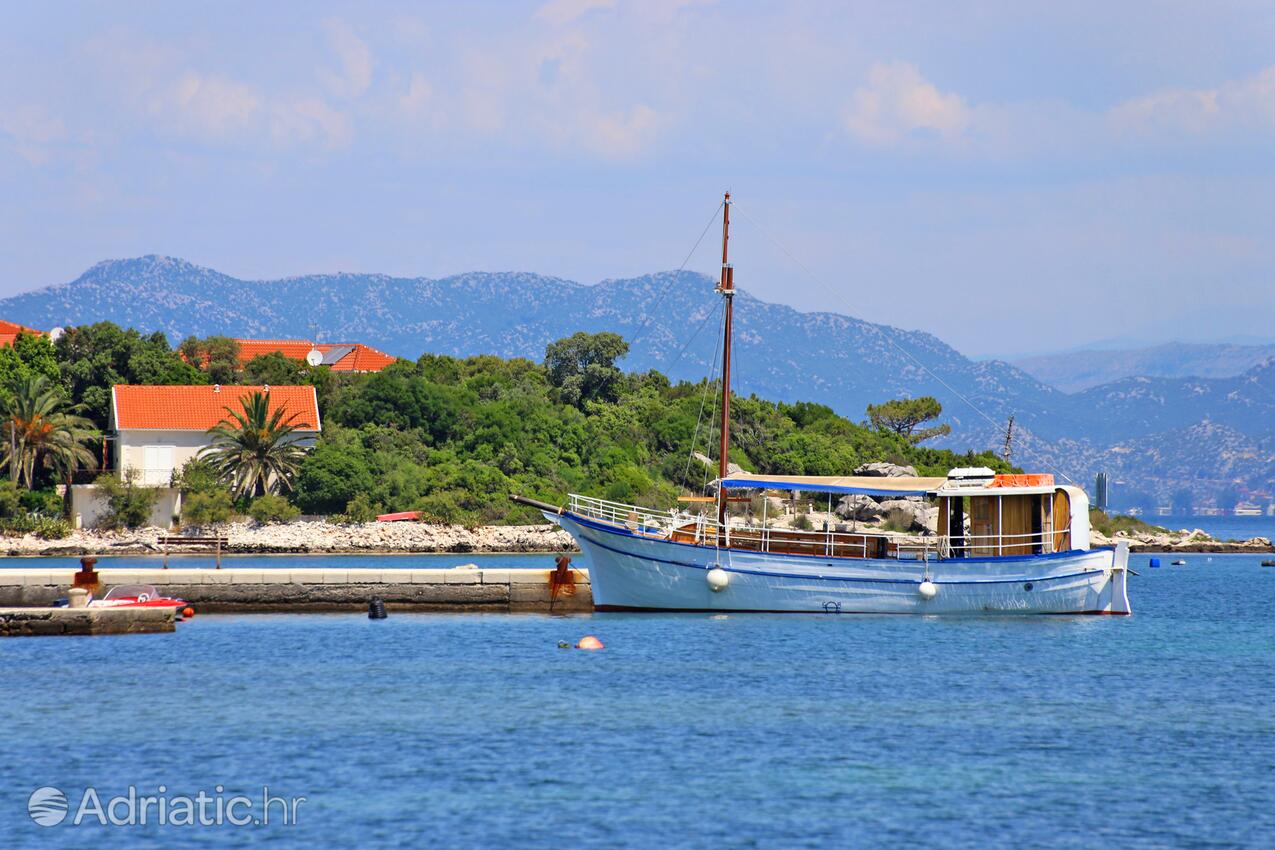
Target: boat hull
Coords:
[(629, 571)]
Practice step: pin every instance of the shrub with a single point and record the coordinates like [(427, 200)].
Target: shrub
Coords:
[(1109, 525), (51, 528), (897, 520), (44, 502), (10, 500), (46, 528), (207, 508), (272, 508), (802, 522), (128, 505), (198, 476), (361, 509)]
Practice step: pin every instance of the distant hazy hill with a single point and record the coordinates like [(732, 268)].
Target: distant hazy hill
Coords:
[(1080, 370), (671, 319)]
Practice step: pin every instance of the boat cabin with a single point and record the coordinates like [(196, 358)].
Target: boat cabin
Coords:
[(981, 514)]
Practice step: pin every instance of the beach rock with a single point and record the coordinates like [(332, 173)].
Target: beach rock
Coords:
[(880, 469), (914, 511), (859, 508)]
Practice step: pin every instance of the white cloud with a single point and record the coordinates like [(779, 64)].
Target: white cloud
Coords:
[(898, 102), (210, 106), (309, 121), (1236, 104), (620, 135), (560, 12), (415, 102), (355, 58), (34, 132)]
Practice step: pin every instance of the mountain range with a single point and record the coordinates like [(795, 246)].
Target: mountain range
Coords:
[(1072, 371), (1159, 434)]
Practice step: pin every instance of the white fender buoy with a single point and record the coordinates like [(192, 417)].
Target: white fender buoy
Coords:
[(928, 589), (718, 578)]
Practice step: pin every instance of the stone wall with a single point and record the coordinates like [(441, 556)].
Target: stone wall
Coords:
[(244, 590)]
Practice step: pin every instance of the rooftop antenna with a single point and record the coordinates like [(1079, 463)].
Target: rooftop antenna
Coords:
[(1009, 439)]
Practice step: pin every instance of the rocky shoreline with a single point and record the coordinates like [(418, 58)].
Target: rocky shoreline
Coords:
[(309, 537), (384, 538)]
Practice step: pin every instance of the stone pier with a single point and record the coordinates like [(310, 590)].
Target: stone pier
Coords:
[(288, 589), (38, 622)]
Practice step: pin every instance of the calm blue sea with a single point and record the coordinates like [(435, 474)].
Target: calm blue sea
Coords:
[(687, 731)]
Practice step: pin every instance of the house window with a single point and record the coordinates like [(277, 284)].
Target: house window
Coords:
[(157, 465)]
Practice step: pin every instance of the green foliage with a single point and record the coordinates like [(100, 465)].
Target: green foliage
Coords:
[(44, 527), (216, 356), (276, 370), (272, 508), (902, 416), (40, 431), (207, 507), (11, 500), (255, 449), (582, 366), (37, 512), (452, 437), (45, 502), (93, 358), (1132, 525), (31, 356), (198, 476), (129, 505), (802, 522), (361, 509)]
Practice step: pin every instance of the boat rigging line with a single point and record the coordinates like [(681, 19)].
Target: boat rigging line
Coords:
[(842, 300), (668, 287)]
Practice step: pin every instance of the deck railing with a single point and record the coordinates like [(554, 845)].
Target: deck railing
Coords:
[(832, 541)]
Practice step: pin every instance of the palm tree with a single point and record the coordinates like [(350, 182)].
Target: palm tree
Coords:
[(41, 429), (255, 450)]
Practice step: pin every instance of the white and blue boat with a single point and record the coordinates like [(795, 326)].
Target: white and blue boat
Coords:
[(1002, 543)]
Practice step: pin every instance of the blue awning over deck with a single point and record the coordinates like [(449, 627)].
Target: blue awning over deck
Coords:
[(856, 484)]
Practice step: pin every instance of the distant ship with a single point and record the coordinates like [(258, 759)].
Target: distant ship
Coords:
[(1026, 550), (1248, 510)]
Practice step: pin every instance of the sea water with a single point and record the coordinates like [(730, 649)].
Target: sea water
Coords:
[(786, 731)]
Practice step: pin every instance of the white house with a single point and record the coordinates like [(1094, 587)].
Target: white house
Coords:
[(155, 430)]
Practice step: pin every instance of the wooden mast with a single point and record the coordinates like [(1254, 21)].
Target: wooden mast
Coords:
[(727, 290)]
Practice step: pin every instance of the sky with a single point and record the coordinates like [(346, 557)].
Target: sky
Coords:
[(1013, 177)]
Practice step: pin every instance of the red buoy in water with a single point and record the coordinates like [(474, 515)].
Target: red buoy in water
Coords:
[(589, 642), (188, 612)]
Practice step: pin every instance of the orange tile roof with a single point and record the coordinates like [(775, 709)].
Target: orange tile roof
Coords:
[(360, 358), (198, 408), (9, 332)]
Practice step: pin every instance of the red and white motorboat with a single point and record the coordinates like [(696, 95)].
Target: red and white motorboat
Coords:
[(139, 596)]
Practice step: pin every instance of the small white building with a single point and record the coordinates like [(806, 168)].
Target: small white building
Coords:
[(156, 430)]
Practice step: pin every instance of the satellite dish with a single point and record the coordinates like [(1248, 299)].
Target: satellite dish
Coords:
[(314, 357), (56, 333)]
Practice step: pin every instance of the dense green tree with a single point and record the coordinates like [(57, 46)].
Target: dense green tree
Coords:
[(582, 366), (336, 471), (255, 449), (30, 356), (216, 356), (903, 416), (93, 358), (451, 437)]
